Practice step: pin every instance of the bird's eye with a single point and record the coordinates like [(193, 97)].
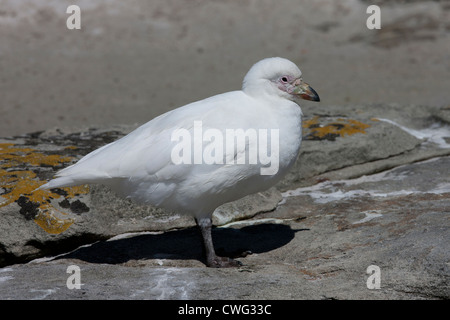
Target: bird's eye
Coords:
[(284, 79)]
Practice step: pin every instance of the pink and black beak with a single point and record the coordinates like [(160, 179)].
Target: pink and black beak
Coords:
[(304, 91)]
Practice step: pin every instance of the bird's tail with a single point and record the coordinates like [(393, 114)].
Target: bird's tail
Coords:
[(64, 178), (61, 182)]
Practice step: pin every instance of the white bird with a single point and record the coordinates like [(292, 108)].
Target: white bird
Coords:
[(177, 161)]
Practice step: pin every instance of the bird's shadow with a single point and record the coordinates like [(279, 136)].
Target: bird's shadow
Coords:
[(185, 244)]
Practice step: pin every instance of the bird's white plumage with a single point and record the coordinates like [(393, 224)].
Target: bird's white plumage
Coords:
[(139, 165)]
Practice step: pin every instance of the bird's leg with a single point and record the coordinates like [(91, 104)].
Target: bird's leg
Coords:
[(213, 260)]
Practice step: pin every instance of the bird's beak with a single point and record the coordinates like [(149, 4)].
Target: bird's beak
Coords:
[(304, 91)]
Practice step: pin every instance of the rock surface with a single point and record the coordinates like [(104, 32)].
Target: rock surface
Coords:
[(371, 187)]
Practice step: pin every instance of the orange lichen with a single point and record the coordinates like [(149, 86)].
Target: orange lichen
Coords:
[(341, 128), (52, 220), (17, 183), (311, 122)]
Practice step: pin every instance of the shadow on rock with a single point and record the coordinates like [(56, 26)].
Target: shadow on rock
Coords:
[(185, 244)]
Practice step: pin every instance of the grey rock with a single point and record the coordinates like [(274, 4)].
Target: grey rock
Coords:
[(369, 188), (314, 247)]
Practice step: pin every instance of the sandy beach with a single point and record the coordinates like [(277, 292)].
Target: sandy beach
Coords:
[(132, 61)]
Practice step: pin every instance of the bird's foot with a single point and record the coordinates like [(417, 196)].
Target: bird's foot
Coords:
[(222, 262)]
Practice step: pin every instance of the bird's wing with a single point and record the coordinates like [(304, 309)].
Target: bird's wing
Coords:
[(145, 153)]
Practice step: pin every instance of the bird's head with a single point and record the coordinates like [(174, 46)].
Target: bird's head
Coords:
[(278, 76)]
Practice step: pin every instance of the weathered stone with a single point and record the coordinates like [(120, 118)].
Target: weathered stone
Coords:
[(328, 230), (317, 244)]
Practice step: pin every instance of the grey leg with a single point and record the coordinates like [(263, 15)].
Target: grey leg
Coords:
[(212, 260)]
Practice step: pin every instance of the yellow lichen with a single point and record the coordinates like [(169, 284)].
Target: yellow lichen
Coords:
[(52, 220), (341, 127), (309, 123), (16, 183)]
